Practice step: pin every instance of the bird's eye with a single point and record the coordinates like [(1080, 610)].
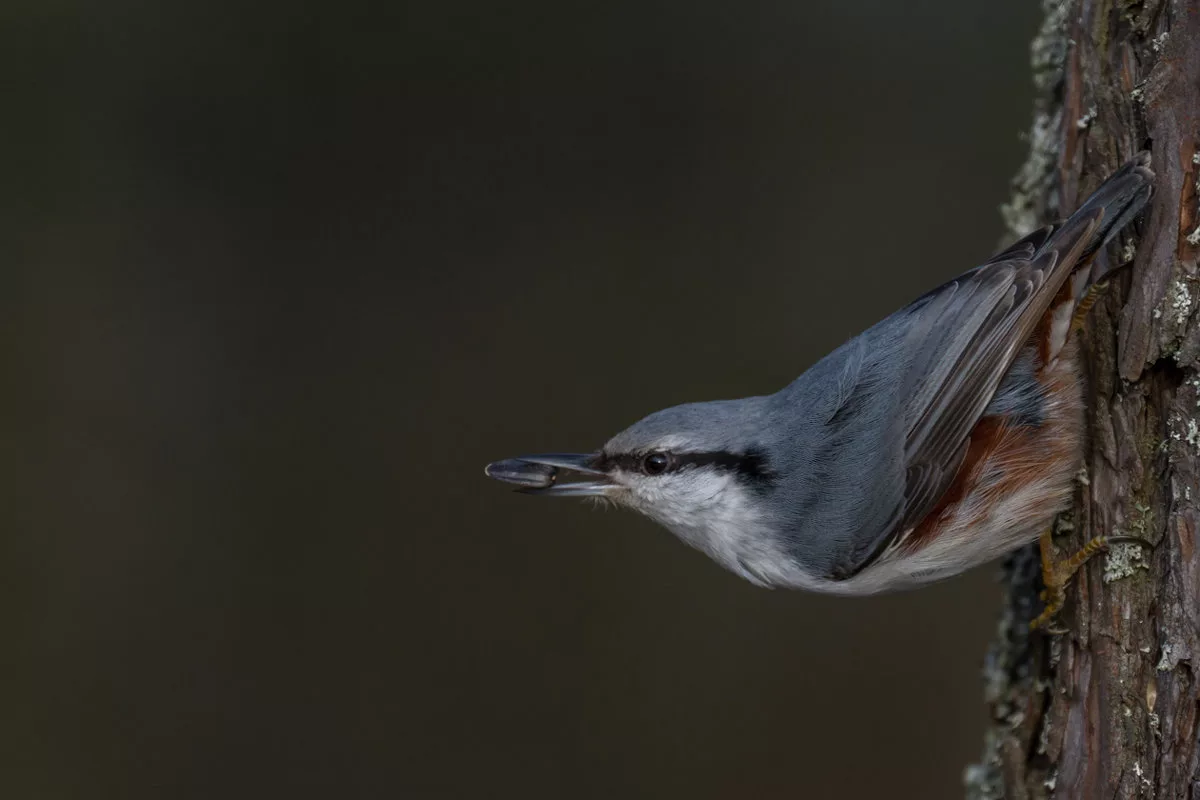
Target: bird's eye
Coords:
[(655, 463)]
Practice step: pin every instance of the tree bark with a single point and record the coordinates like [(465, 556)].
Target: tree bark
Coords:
[(1109, 708)]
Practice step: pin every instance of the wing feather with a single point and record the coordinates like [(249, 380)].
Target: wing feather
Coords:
[(957, 343), (992, 317)]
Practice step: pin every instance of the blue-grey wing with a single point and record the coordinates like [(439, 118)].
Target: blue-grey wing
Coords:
[(895, 407), (969, 332), (961, 339)]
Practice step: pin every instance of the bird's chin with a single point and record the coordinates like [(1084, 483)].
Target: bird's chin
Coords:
[(616, 497)]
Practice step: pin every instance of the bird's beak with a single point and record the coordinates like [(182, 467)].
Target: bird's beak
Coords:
[(539, 474)]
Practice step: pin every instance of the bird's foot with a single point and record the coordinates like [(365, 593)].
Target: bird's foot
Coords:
[(1057, 574), (1084, 306)]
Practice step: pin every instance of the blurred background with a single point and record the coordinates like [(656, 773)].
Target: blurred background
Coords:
[(281, 278)]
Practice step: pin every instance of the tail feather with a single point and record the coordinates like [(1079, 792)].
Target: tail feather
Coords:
[(1101, 217), (1120, 198)]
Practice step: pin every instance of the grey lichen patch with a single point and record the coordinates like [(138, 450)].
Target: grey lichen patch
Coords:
[(985, 780), (1024, 211), (1022, 214), (1048, 50), (1180, 296), (1175, 312), (1195, 384), (1086, 120), (1159, 42), (1186, 430), (1169, 658), (1007, 677), (1140, 773), (1043, 745), (1123, 560)]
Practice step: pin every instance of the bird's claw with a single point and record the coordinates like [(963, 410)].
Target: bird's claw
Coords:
[(1057, 574)]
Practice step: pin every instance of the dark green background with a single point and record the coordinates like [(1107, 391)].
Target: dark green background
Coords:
[(283, 277)]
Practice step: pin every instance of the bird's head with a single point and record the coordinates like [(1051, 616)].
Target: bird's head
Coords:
[(700, 469)]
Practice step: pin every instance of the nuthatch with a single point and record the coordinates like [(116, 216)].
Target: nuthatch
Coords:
[(944, 436)]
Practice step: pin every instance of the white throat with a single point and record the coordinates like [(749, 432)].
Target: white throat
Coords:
[(714, 512)]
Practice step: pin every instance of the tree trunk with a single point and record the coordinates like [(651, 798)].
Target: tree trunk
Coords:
[(1109, 708)]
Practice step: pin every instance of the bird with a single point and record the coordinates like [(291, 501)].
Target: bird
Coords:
[(942, 437)]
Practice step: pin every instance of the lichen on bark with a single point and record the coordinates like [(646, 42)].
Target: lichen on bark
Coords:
[(1109, 708)]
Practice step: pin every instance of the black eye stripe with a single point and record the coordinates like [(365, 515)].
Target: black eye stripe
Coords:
[(628, 462), (751, 465)]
